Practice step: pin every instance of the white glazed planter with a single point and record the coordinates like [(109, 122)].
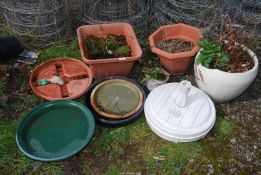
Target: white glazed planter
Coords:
[(224, 86)]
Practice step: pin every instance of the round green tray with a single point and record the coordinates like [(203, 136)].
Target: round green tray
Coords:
[(55, 130)]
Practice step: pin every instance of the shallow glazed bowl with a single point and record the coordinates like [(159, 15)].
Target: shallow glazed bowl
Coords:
[(55, 130)]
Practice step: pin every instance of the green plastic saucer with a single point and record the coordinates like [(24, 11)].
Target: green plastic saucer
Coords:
[(55, 130)]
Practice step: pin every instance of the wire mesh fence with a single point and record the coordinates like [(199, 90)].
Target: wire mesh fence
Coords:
[(194, 12), (134, 12), (250, 11), (36, 23), (41, 22), (2, 18), (205, 13)]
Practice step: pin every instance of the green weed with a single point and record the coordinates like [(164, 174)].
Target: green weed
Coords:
[(211, 50), (224, 127)]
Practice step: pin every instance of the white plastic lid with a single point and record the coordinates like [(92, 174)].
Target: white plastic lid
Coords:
[(179, 112)]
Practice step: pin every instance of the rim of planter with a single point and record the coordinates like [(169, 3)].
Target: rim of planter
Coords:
[(178, 55), (250, 52), (131, 87), (112, 122), (55, 61), (98, 28)]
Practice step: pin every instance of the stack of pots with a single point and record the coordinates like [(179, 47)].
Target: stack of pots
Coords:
[(115, 101)]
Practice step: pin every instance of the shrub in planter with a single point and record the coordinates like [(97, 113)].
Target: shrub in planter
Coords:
[(107, 57), (224, 69)]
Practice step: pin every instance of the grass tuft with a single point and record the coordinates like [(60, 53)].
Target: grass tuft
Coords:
[(4, 33), (224, 127), (12, 161), (61, 50), (171, 156), (113, 170)]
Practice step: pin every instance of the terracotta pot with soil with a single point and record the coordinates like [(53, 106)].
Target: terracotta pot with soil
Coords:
[(225, 69), (176, 46), (109, 49)]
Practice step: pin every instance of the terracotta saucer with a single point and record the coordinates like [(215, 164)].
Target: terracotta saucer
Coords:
[(116, 98), (76, 75), (110, 122)]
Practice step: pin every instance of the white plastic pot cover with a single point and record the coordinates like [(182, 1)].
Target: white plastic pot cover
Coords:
[(179, 112)]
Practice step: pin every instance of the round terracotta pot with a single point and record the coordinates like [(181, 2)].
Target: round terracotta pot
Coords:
[(176, 63), (116, 99), (224, 86), (76, 75)]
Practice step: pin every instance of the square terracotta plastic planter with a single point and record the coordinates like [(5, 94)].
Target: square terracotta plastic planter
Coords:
[(109, 66), (176, 63)]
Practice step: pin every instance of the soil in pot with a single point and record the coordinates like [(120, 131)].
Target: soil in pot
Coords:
[(239, 59), (111, 46), (175, 45)]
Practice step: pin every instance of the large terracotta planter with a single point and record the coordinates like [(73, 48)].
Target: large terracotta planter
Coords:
[(109, 66), (175, 63), (224, 86)]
